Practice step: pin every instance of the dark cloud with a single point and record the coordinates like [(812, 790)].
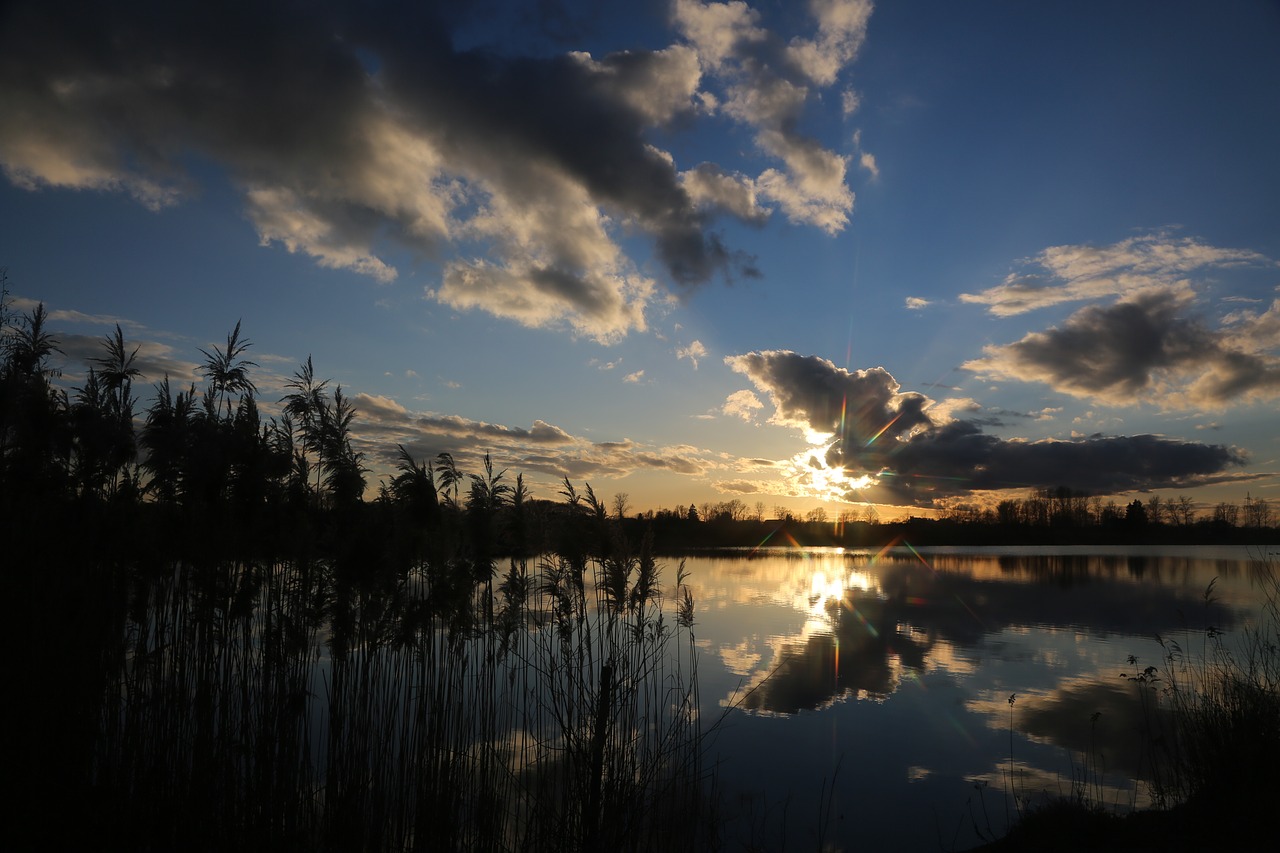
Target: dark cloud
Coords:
[(349, 124), (888, 434), (812, 393), (958, 458), (1150, 344)]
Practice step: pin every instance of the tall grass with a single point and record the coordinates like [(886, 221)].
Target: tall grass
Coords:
[(1210, 747), (290, 706), (1217, 746)]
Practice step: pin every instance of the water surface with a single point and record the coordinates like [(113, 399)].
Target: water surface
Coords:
[(864, 697)]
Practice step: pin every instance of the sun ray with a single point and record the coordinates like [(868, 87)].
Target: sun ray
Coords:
[(882, 429)]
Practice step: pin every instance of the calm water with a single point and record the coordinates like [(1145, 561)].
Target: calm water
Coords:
[(865, 696)]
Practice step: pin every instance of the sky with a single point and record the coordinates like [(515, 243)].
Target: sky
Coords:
[(857, 256)]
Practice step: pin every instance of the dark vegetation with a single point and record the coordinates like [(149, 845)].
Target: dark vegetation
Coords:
[(1210, 747), (221, 645), (1044, 517)]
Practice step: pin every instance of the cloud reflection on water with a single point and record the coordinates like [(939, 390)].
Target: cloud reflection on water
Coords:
[(898, 667), (866, 620)]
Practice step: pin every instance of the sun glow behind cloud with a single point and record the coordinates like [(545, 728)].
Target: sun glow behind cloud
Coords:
[(814, 479)]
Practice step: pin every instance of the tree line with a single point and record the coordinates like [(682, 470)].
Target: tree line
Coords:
[(1064, 507)]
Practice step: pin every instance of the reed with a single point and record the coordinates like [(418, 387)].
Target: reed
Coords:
[(231, 649), (306, 705), (1220, 747)]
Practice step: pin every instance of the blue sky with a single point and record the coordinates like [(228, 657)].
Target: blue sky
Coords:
[(901, 254)]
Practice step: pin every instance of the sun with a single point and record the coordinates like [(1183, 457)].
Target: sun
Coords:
[(824, 482)]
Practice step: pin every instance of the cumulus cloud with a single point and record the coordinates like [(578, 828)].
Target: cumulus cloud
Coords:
[(812, 394), (712, 188), (916, 303), (767, 82), (1060, 274), (1148, 348), (899, 446), (1148, 338), (354, 130), (634, 377)]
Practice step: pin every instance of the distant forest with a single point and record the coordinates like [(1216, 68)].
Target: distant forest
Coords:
[(208, 464)]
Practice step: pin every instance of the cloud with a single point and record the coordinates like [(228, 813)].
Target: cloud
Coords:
[(693, 352), (357, 130), (766, 84), (742, 404), (634, 377), (710, 187), (1147, 348), (898, 447), (378, 408), (850, 101), (154, 360), (1129, 268), (812, 394), (542, 449), (868, 161), (916, 303)]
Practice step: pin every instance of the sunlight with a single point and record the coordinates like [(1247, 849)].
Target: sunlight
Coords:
[(823, 482), (822, 591), (830, 590)]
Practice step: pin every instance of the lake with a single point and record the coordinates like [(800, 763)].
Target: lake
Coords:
[(879, 700)]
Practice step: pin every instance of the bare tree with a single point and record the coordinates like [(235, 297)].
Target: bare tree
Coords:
[(1257, 512), (621, 501), (1183, 511), (1228, 514), (1156, 510)]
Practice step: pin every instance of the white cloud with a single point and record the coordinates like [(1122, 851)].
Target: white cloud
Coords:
[(634, 377), (693, 352), (379, 408), (709, 187), (743, 404), (850, 101), (767, 84), (1152, 262), (915, 303), (842, 28)]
